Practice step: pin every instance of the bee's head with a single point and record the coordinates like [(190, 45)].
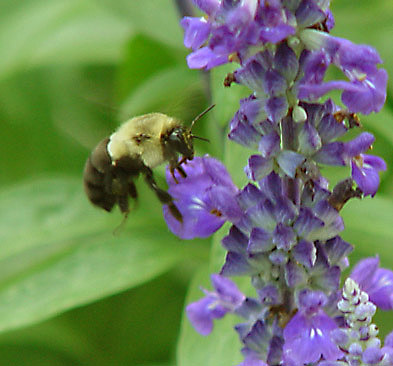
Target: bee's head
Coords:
[(180, 140)]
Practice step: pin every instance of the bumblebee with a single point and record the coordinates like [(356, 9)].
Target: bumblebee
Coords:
[(137, 147)]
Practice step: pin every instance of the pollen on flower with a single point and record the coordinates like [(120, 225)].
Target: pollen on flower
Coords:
[(216, 212), (234, 57)]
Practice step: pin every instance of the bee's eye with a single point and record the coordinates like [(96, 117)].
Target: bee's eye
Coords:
[(176, 135)]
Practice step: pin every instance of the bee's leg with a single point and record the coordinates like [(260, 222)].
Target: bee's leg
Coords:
[(176, 165), (172, 170), (164, 197), (132, 190), (123, 204), (181, 171)]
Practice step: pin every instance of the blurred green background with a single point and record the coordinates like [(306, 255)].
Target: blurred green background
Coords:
[(72, 293)]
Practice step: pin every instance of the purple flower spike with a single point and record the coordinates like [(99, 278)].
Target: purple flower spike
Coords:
[(206, 198), (377, 282), (226, 298), (286, 219), (307, 335)]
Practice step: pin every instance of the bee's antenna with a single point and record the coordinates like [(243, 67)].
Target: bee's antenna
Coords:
[(200, 115), (200, 138)]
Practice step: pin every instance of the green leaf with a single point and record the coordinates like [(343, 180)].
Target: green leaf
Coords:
[(168, 87), (42, 32), (58, 252), (140, 62), (157, 19), (220, 348)]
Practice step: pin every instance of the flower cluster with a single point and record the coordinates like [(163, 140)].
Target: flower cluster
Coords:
[(286, 223)]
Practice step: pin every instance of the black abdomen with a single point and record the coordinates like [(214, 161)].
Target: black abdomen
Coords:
[(108, 183), (97, 176)]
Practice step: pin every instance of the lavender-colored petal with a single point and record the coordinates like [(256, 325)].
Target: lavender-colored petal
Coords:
[(271, 186), (200, 197), (250, 196), (377, 282), (251, 74), (250, 308), (199, 315), (262, 215), (284, 237), (276, 34), (323, 275), (372, 355), (365, 92), (252, 110), (225, 204), (295, 275), (367, 175), (274, 356), (235, 241), (258, 167), (205, 58), (236, 265), (309, 139), (273, 83), (276, 108), (307, 223), (269, 144), (333, 222), (260, 241), (215, 305), (196, 31), (331, 154), (310, 302), (270, 295), (216, 172), (289, 161), (350, 56), (337, 250), (278, 257), (305, 253), (308, 14), (243, 132), (258, 338), (369, 96), (314, 65), (328, 128), (286, 62), (363, 273), (330, 22), (285, 211), (308, 338), (359, 144), (227, 291), (340, 337), (198, 222)]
